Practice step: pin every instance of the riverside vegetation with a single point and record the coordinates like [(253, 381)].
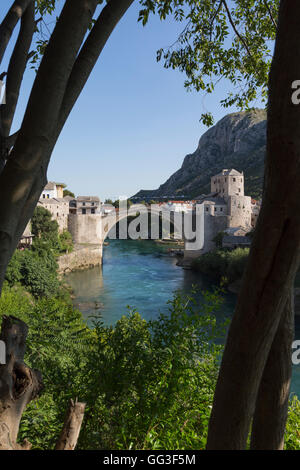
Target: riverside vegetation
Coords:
[(147, 385), (224, 264)]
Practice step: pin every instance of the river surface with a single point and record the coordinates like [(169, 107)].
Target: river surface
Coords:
[(142, 275)]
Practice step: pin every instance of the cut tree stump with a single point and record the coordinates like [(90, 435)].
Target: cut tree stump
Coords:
[(18, 383)]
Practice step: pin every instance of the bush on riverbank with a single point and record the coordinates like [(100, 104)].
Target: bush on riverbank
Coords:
[(36, 268), (147, 385), (46, 233), (224, 264)]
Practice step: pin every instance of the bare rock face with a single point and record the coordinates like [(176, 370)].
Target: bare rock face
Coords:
[(236, 141)]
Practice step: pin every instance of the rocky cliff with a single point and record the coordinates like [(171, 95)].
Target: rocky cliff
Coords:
[(236, 141)]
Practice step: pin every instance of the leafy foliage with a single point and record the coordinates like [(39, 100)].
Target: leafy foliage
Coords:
[(34, 269), (223, 263), (220, 40), (43, 225), (45, 230), (68, 193), (146, 384)]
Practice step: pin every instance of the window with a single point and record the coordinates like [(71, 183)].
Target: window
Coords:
[(48, 195), (233, 180), (44, 196), (84, 211), (221, 209), (92, 211), (83, 203), (206, 209), (93, 204)]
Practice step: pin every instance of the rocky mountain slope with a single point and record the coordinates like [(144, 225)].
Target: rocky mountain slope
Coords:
[(236, 141)]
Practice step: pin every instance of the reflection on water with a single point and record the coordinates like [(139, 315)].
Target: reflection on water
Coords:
[(141, 274)]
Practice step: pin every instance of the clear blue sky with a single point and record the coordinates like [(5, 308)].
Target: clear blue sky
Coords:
[(134, 121)]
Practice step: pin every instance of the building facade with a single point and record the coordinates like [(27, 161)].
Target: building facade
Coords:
[(85, 205), (59, 208), (53, 190), (227, 207)]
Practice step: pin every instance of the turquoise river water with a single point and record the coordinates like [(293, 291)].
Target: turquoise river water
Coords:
[(142, 275)]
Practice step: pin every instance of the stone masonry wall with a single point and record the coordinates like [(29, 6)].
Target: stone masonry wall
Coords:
[(85, 228), (81, 258)]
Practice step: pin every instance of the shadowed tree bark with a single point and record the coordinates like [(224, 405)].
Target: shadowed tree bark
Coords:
[(257, 332), (65, 67), (273, 396), (18, 383), (60, 78)]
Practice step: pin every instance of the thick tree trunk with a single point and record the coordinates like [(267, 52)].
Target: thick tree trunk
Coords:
[(70, 432), (7, 26), (273, 397), (18, 383), (274, 255), (61, 76)]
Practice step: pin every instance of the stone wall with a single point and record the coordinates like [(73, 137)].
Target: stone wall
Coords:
[(239, 211), (59, 209), (212, 226), (85, 228), (82, 257)]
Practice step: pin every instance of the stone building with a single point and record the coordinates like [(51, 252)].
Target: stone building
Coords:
[(59, 208), (85, 205), (255, 209), (53, 190), (226, 206)]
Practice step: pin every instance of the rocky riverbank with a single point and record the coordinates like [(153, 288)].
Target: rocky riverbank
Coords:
[(83, 257)]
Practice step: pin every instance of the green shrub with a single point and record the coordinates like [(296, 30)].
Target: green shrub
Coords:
[(36, 269), (66, 242), (292, 433), (223, 263), (146, 384)]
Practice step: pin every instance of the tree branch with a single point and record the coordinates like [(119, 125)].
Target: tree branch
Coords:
[(30, 157), (235, 30), (9, 23), (89, 54), (11, 140), (270, 13), (71, 429), (16, 68)]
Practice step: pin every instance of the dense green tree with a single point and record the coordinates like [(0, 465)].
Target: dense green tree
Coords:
[(42, 224), (68, 193)]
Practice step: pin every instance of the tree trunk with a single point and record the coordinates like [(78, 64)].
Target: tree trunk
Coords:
[(273, 397), (70, 432), (63, 72), (18, 383), (275, 253)]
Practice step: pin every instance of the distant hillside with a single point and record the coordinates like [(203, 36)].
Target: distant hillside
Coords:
[(236, 141)]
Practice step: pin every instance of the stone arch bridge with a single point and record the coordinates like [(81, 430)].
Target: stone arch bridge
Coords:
[(92, 229)]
